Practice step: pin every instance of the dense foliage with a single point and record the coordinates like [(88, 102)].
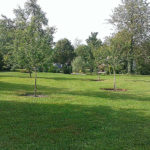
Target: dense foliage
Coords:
[(27, 42)]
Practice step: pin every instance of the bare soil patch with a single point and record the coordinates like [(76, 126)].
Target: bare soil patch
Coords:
[(38, 95), (32, 95), (96, 80), (117, 90), (138, 80)]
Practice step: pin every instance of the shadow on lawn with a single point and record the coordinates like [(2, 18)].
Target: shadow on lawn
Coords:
[(71, 127), (71, 77), (109, 95), (19, 75), (68, 78), (25, 88), (28, 89)]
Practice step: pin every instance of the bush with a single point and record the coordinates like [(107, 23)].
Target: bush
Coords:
[(144, 69), (67, 69), (54, 69), (78, 65)]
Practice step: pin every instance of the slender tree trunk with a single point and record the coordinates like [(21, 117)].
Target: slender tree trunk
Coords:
[(109, 69), (130, 58), (35, 85), (30, 74), (114, 78), (129, 66), (98, 76)]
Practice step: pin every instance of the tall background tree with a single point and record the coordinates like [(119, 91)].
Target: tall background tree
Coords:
[(63, 53), (132, 16), (93, 44), (6, 41)]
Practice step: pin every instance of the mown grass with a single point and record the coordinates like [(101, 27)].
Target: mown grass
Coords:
[(76, 113)]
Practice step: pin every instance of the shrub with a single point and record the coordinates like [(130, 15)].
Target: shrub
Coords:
[(67, 69), (78, 65), (54, 69)]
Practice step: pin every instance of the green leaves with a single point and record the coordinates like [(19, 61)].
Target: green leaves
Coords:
[(132, 17), (78, 65), (63, 52)]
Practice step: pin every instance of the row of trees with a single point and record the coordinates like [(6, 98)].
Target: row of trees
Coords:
[(127, 50), (27, 42)]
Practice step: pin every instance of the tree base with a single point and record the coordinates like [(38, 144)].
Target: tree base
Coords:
[(96, 80), (32, 95), (115, 90)]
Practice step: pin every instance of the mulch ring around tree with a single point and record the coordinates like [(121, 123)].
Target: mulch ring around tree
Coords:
[(37, 95), (117, 90), (31, 94), (97, 80)]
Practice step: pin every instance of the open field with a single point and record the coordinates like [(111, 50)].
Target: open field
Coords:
[(76, 113)]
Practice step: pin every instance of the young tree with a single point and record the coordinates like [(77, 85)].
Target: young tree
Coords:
[(37, 44), (32, 43), (111, 54)]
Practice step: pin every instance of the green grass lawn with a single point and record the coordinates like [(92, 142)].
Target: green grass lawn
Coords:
[(76, 113)]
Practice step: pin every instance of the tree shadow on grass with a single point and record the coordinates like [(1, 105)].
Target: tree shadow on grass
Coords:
[(75, 127), (23, 89), (68, 78), (19, 75), (109, 95), (71, 77)]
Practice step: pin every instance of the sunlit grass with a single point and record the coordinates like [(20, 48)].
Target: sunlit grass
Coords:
[(75, 113)]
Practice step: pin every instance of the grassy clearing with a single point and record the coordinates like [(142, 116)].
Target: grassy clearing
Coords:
[(75, 114)]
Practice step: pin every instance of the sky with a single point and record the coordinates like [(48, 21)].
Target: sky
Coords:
[(72, 18)]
